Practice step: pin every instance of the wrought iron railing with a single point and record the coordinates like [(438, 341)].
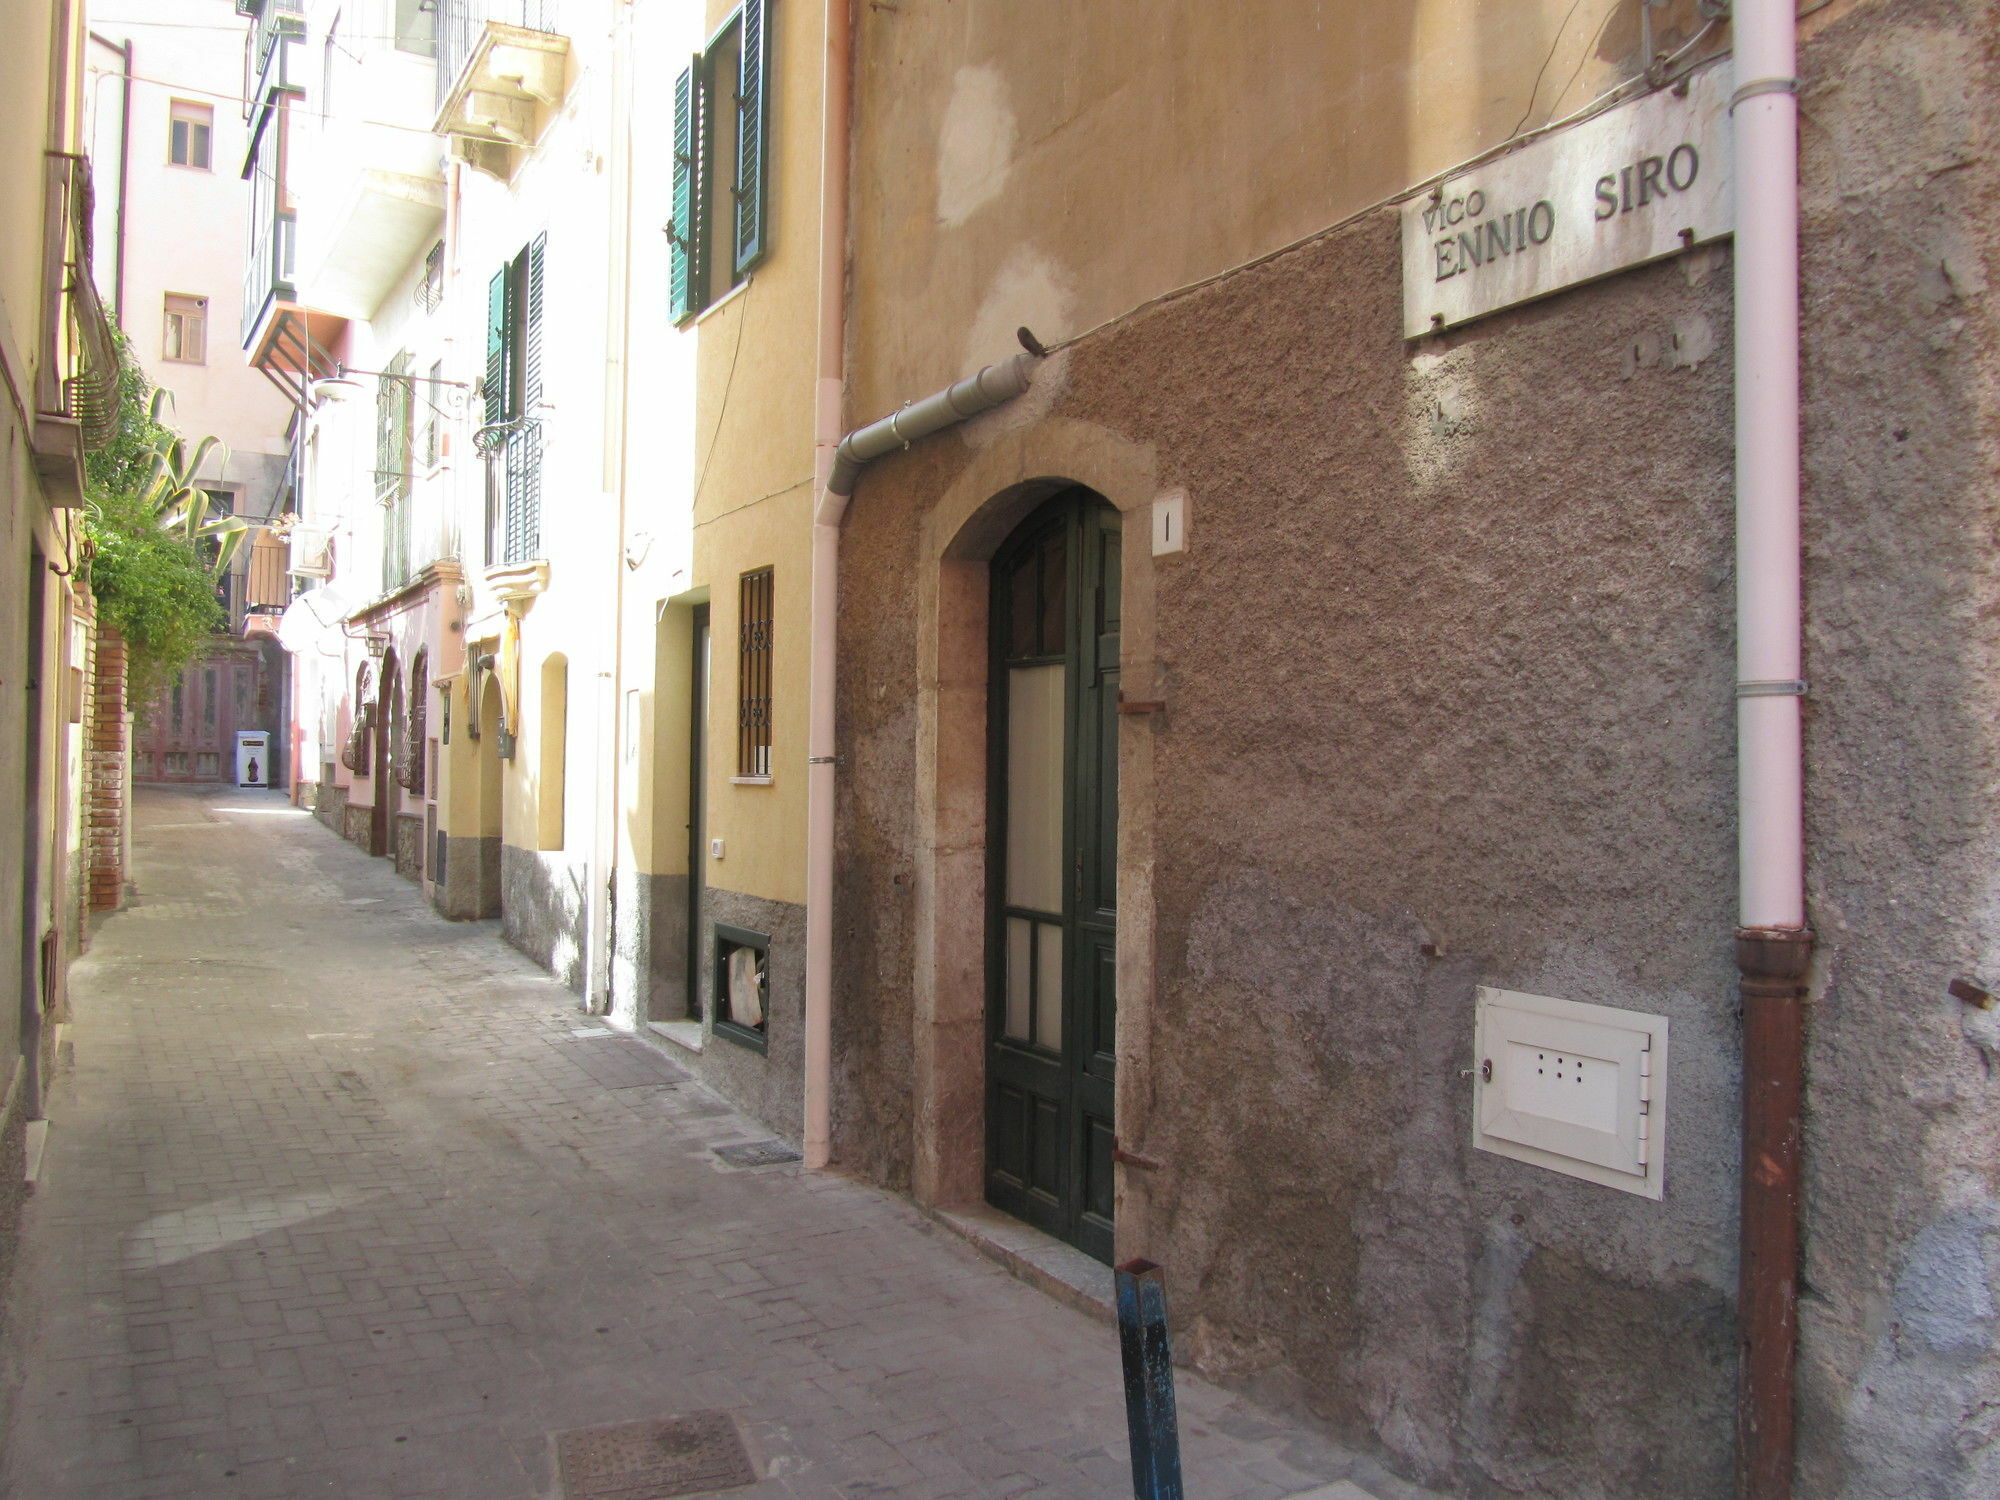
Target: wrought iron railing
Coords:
[(460, 24), (80, 379)]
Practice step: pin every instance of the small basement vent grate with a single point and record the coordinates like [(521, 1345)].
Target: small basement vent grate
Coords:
[(692, 1455), (757, 1153)]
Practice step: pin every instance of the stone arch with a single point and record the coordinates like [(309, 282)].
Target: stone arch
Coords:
[(1012, 472)]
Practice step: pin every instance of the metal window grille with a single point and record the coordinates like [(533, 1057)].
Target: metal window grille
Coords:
[(753, 675)]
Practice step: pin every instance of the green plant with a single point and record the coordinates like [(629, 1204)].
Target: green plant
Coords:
[(157, 546)]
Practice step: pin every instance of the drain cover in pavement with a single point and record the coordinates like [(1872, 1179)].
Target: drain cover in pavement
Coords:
[(691, 1455), (756, 1153)]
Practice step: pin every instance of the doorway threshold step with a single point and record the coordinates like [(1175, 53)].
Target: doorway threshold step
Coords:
[(1062, 1271), (682, 1033)]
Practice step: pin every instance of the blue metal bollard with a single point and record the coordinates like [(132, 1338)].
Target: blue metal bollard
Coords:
[(1149, 1381)]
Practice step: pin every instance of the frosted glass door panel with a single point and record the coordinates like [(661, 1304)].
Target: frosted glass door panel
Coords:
[(1020, 978), (1035, 786)]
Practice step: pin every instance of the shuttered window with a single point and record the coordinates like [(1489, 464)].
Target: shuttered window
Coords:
[(511, 438), (722, 135), (393, 413), (753, 674)]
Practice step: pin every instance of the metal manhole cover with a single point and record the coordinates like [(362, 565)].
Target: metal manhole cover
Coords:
[(756, 1153), (690, 1455)]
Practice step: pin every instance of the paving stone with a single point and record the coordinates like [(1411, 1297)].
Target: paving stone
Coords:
[(330, 1172)]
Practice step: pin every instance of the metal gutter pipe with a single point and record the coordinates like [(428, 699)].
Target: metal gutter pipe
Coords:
[(1773, 944), (836, 83), (969, 397)]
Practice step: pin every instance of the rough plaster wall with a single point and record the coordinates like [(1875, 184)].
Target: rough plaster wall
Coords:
[(1900, 1389), (874, 892), (542, 908), (1448, 662)]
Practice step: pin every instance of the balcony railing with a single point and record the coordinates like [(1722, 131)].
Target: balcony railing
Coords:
[(460, 24), (79, 372)]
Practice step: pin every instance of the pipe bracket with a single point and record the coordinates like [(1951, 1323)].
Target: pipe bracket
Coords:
[(1758, 86), (1775, 687)]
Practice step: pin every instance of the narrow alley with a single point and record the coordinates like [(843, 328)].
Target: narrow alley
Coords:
[(341, 1198)]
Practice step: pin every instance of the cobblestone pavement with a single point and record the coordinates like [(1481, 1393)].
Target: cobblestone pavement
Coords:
[(343, 1199)]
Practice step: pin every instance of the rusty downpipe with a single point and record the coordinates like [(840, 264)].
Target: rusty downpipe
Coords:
[(1772, 964)]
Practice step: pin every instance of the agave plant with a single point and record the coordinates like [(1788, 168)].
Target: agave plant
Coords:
[(171, 492)]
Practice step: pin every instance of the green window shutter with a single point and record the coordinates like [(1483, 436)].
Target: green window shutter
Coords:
[(385, 429), (531, 326), (496, 347), (683, 232), (753, 117)]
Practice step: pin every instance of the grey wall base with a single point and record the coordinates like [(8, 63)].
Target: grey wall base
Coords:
[(770, 1086), (470, 889), (542, 909)]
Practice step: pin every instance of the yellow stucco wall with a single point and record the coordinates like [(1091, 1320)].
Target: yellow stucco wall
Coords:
[(1055, 165), (752, 486)]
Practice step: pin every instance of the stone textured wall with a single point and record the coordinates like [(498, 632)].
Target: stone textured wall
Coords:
[(330, 806), (1448, 670), (357, 824), (409, 850)]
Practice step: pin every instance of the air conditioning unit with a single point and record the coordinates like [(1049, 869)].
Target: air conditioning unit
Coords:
[(312, 552)]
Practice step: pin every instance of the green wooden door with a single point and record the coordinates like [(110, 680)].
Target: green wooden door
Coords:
[(1053, 877)]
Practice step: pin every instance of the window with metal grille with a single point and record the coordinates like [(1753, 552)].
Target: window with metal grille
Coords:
[(722, 132), (753, 675), (190, 133)]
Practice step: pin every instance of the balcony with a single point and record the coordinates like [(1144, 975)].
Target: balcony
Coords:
[(501, 75), (379, 191), (76, 396)]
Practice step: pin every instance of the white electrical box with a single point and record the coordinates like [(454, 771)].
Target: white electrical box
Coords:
[(1576, 1088)]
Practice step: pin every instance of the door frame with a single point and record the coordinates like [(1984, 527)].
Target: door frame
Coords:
[(956, 534), (700, 654)]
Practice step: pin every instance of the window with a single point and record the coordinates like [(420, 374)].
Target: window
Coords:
[(186, 337), (753, 676), (393, 401), (722, 134), (433, 416), (416, 27), (742, 983), (190, 132), (430, 290), (512, 387)]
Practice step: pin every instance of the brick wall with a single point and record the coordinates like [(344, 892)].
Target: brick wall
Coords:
[(106, 765)]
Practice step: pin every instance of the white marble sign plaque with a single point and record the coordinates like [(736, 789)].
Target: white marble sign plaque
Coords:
[(1632, 185)]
